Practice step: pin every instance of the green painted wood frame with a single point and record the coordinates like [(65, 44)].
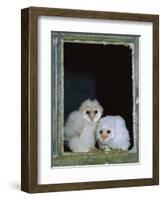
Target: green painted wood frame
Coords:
[(29, 173), (59, 157)]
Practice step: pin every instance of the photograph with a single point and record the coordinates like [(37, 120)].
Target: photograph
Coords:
[(95, 98), (90, 99)]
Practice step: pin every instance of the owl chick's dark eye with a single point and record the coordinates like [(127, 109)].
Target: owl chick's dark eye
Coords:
[(95, 111), (101, 131), (87, 112), (108, 131)]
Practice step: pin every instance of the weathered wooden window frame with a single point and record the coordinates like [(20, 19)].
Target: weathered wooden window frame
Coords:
[(59, 157)]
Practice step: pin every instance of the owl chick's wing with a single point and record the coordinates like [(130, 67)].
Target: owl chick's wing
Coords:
[(74, 124)]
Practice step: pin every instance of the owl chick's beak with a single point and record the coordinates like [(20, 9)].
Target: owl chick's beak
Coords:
[(104, 135), (92, 118)]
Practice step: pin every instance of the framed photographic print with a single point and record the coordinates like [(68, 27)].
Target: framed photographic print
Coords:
[(90, 99)]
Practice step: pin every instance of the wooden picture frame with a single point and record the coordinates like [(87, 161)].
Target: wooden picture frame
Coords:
[(29, 97)]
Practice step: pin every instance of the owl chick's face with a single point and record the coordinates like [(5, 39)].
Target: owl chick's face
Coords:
[(91, 110), (92, 115), (104, 135), (105, 130)]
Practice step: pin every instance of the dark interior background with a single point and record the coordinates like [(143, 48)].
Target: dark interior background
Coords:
[(102, 72)]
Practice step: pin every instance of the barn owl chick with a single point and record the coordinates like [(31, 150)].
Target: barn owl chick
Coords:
[(81, 124), (111, 133)]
